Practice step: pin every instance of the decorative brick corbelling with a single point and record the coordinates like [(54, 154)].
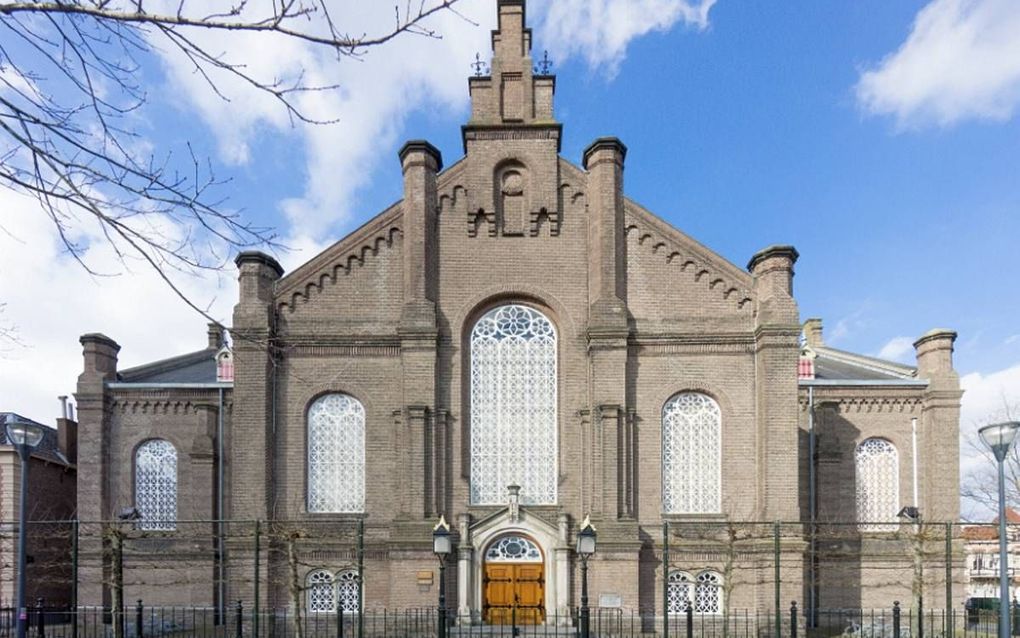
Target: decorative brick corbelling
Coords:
[(340, 260), (687, 260)]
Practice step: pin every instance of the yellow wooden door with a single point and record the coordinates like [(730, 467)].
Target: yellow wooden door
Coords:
[(510, 588)]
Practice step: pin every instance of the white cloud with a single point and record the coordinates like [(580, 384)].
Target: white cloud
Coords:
[(376, 93), (990, 397), (600, 30), (898, 349), (1010, 340), (987, 398), (960, 61), (52, 301)]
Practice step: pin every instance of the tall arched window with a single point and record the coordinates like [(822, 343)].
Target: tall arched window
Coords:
[(336, 455), (878, 484), (513, 406), (156, 485), (691, 454)]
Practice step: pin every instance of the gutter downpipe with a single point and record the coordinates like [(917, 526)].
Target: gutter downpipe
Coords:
[(913, 454), (222, 567), (812, 513)]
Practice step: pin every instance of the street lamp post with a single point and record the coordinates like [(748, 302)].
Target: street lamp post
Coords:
[(25, 436), (442, 546), (999, 437), (585, 549)]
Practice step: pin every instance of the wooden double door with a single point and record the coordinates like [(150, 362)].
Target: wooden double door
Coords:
[(514, 589)]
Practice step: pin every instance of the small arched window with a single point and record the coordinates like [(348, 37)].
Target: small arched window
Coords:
[(878, 484), (679, 592), (156, 485), (323, 591), (320, 591), (708, 593), (347, 590), (691, 455), (336, 455)]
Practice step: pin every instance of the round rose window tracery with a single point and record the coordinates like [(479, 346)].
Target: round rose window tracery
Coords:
[(513, 549)]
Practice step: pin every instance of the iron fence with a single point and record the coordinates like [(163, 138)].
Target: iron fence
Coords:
[(192, 573), (141, 621)]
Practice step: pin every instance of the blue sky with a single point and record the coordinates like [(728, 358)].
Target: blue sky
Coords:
[(880, 138)]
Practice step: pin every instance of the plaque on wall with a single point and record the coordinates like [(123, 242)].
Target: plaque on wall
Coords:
[(610, 601)]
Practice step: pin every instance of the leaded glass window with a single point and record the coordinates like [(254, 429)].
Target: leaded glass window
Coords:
[(691, 454), (708, 593), (679, 592), (156, 485), (336, 455), (320, 591), (513, 549), (347, 590), (878, 484), (513, 406)]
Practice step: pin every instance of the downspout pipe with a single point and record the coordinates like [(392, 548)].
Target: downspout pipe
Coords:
[(222, 567), (812, 512)]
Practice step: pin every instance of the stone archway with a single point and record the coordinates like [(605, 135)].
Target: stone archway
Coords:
[(551, 540), (513, 581)]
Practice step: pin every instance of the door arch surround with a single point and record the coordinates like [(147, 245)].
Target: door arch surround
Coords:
[(555, 554), (513, 581)]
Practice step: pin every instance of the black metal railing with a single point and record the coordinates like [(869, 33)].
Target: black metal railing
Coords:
[(144, 621)]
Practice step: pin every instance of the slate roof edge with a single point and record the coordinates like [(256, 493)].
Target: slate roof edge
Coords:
[(144, 385), (166, 365), (863, 382), (873, 364)]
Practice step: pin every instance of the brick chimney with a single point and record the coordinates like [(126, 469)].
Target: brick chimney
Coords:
[(813, 332)]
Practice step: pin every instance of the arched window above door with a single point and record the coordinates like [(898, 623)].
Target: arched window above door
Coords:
[(513, 406)]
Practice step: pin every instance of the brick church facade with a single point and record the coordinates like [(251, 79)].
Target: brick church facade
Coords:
[(514, 345)]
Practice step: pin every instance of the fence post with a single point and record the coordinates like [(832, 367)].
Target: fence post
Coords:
[(40, 621), (258, 553), (239, 620), (689, 611), (896, 619), (74, 578), (361, 578), (665, 579), (793, 620), (778, 580), (139, 618), (949, 580)]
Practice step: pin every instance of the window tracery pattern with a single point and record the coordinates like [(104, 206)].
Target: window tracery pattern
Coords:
[(708, 593), (320, 591), (691, 454), (156, 485), (513, 549), (336, 455), (679, 592), (513, 406), (347, 590), (878, 484)]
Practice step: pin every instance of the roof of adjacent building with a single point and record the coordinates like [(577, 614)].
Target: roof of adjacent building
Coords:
[(990, 532), (194, 367), (834, 364), (49, 449)]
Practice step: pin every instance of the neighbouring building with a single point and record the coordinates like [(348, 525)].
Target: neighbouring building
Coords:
[(515, 345), (982, 548), (52, 491)]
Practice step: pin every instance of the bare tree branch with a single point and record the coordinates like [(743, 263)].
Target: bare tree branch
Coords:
[(71, 88)]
